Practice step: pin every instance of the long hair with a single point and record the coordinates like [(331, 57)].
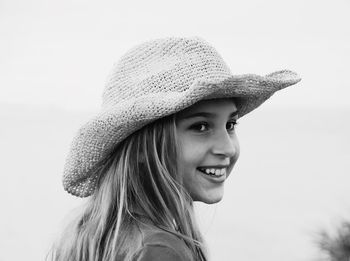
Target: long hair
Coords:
[(140, 174)]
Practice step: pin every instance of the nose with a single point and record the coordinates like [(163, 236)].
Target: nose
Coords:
[(226, 145)]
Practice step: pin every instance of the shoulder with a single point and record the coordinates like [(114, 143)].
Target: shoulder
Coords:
[(159, 253), (162, 245)]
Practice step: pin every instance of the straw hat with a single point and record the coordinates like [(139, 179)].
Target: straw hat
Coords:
[(153, 80)]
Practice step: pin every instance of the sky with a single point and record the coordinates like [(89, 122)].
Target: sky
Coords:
[(59, 53)]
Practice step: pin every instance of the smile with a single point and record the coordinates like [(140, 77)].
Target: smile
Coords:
[(218, 172)]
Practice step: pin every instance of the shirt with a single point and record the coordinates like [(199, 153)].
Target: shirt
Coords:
[(159, 245)]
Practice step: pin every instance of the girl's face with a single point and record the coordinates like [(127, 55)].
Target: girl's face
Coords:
[(208, 147)]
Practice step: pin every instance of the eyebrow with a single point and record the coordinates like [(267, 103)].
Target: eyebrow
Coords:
[(206, 114)]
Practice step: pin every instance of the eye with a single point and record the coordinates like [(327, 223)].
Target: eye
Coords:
[(230, 126), (200, 127)]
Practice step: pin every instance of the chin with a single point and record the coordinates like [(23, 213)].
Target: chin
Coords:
[(212, 201), (209, 199)]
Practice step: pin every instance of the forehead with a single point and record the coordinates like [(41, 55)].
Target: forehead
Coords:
[(214, 105)]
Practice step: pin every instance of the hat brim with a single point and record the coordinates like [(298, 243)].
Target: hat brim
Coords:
[(99, 136)]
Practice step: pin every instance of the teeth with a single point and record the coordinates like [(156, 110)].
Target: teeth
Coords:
[(216, 172)]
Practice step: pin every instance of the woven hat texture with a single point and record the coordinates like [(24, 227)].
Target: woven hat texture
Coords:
[(151, 81)]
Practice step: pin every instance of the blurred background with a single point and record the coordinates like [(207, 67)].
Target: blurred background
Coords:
[(292, 179)]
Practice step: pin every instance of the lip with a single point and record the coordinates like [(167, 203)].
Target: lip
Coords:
[(215, 166), (213, 179)]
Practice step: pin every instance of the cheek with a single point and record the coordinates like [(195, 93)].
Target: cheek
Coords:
[(237, 149), (188, 157), (191, 155), (235, 145), (234, 159)]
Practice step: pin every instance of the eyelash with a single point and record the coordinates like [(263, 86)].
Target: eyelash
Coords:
[(198, 125)]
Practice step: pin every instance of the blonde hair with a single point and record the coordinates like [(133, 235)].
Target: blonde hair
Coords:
[(140, 174)]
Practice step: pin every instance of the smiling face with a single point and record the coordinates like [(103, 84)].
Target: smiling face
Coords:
[(208, 147)]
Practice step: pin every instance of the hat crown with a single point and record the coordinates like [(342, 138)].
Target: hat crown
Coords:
[(162, 66)]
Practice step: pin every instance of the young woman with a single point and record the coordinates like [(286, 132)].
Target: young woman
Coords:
[(165, 138)]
